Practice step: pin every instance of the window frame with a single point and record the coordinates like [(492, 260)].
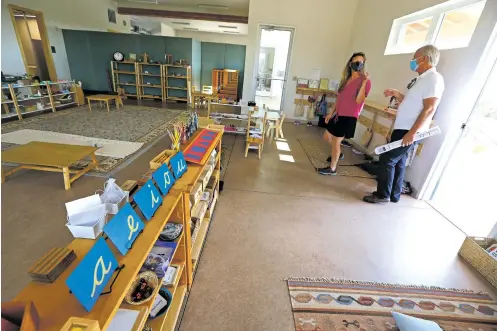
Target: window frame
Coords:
[(437, 13)]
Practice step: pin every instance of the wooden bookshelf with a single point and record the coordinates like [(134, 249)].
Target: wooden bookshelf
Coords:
[(151, 81), (186, 184), (178, 80), (56, 305), (50, 99), (225, 83), (125, 76)]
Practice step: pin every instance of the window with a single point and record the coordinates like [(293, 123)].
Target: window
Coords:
[(449, 25), (111, 14)]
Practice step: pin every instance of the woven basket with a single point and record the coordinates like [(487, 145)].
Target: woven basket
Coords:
[(152, 281), (472, 251)]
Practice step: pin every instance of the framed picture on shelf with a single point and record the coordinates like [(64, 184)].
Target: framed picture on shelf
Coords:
[(301, 82), (132, 57), (323, 84), (313, 83)]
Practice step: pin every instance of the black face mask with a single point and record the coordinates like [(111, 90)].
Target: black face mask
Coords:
[(357, 66)]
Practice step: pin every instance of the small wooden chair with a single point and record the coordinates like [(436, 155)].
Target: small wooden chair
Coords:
[(255, 135), (274, 129)]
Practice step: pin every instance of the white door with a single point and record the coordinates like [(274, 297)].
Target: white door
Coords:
[(273, 61), (467, 191)]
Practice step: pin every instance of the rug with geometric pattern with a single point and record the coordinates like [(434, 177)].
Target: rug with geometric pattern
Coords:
[(320, 304)]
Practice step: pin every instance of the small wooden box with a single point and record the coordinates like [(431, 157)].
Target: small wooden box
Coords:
[(473, 251), (206, 175), (51, 265), (161, 158), (80, 324), (216, 127), (196, 193)]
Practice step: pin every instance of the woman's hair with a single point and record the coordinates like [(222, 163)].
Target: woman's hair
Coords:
[(347, 71)]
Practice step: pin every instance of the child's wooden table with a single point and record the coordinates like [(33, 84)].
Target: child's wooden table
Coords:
[(38, 155)]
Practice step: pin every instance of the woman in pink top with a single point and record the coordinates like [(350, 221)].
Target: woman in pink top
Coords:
[(341, 121)]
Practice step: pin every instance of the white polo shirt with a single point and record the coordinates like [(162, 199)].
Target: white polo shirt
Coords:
[(430, 84)]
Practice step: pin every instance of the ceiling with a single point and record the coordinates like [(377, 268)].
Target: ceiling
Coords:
[(228, 7), (153, 23)]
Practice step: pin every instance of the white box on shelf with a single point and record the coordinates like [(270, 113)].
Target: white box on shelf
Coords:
[(88, 231), (86, 217), (82, 211), (113, 196)]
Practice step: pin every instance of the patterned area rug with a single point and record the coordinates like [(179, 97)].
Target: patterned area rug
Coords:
[(318, 151), (129, 123), (337, 305)]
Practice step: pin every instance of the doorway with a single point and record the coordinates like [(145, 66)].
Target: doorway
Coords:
[(273, 63), (32, 38), (466, 192)]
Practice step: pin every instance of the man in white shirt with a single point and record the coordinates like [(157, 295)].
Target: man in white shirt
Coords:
[(416, 110)]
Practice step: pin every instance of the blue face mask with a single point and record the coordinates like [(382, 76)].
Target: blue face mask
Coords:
[(413, 65)]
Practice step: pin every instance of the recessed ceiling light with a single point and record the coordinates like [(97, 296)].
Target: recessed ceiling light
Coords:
[(202, 5), (227, 27), (232, 32), (191, 29), (181, 23)]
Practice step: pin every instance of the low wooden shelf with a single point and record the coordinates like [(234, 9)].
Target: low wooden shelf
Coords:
[(55, 304)]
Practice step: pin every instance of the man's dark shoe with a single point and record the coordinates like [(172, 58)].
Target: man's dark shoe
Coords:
[(327, 171), (375, 199), (391, 200), (341, 157)]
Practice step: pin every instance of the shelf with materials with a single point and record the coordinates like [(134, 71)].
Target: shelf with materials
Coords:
[(177, 88), (150, 78), (187, 183), (125, 77), (62, 306), (19, 103)]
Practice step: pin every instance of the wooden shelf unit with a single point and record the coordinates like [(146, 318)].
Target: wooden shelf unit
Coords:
[(176, 83), (151, 81), (186, 184), (55, 304), (17, 106), (225, 83), (121, 77)]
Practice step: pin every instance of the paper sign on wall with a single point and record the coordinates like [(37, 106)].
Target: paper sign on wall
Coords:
[(148, 199), (178, 164), (124, 228), (89, 278), (163, 178)]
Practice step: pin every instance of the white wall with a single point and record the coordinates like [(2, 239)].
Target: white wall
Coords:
[(213, 37), (322, 38), (167, 31), (457, 67), (59, 14)]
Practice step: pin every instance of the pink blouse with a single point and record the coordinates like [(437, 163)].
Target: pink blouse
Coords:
[(346, 104)]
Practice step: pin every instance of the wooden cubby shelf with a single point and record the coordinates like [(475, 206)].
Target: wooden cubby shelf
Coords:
[(153, 76), (48, 98)]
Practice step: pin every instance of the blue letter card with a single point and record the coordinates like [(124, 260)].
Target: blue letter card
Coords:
[(163, 178), (92, 274), (178, 164), (124, 228), (148, 199)]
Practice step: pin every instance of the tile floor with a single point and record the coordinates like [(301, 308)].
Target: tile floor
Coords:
[(275, 219)]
